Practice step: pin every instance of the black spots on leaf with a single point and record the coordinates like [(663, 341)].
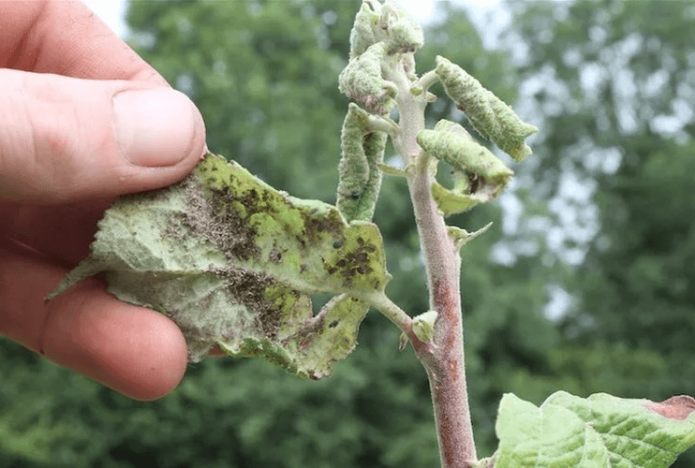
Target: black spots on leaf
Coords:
[(275, 256), (219, 216), (355, 195), (331, 224), (354, 263), (249, 289)]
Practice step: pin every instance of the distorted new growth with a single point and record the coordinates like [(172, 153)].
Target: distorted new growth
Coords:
[(235, 262)]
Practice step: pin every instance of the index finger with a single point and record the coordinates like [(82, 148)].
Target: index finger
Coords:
[(65, 37)]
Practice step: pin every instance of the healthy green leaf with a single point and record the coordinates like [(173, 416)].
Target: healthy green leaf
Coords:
[(601, 431), (234, 262), (461, 237), (423, 326)]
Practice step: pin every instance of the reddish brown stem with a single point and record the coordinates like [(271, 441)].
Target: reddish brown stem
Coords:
[(444, 361), (445, 364)]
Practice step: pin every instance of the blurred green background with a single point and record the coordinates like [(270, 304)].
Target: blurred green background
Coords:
[(583, 283)]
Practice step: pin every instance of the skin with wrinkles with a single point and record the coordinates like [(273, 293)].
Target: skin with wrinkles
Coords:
[(64, 160)]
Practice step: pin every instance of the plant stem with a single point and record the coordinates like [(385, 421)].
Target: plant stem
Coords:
[(427, 80), (444, 362), (388, 308)]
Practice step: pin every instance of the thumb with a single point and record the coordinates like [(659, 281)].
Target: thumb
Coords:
[(66, 139)]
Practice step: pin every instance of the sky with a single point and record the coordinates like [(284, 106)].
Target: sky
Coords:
[(112, 11)]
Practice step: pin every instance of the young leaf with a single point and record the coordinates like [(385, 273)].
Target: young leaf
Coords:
[(234, 262), (491, 117), (451, 143), (453, 201), (365, 31), (461, 237), (362, 81), (403, 34), (601, 431), (478, 174), (359, 168), (376, 23), (423, 326)]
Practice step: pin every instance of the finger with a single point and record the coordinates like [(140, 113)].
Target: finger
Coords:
[(65, 140), (66, 38), (133, 350), (63, 232)]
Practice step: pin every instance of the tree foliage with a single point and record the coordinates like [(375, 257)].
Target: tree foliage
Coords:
[(613, 84), (601, 78)]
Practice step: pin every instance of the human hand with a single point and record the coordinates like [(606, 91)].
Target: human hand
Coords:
[(83, 120)]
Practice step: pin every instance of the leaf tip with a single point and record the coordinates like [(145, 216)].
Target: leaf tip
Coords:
[(678, 407)]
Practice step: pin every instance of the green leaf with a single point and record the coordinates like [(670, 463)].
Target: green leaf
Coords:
[(479, 176), (365, 31), (360, 174), (363, 82), (423, 326), (376, 23), (234, 262), (403, 34), (491, 117), (601, 431), (461, 237)]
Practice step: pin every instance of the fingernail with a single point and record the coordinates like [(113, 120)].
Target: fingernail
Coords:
[(154, 127)]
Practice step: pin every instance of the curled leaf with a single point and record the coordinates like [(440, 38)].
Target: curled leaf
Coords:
[(234, 262), (403, 34), (362, 81), (384, 23), (451, 143), (453, 201), (491, 117), (365, 31), (479, 176), (360, 176)]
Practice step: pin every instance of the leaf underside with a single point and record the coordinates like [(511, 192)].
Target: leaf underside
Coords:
[(601, 431), (234, 262)]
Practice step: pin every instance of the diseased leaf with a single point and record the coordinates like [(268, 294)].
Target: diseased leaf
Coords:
[(362, 81), (403, 34), (360, 176), (377, 22), (479, 176), (491, 117), (601, 431), (234, 262), (365, 31)]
